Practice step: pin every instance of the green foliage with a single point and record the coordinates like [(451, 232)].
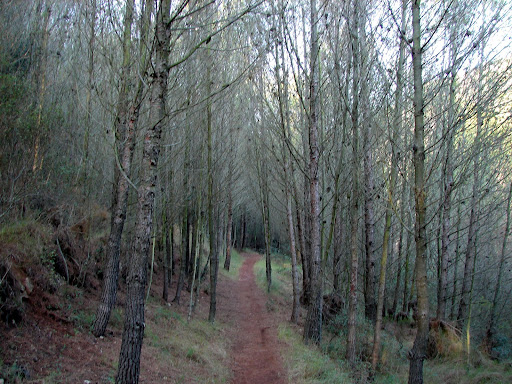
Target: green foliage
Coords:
[(27, 260), (14, 373), (502, 347), (196, 347), (17, 124), (82, 319), (234, 267), (307, 364), (392, 352), (480, 370), (116, 318), (281, 275), (28, 236)]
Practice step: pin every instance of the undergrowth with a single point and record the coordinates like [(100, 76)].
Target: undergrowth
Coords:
[(305, 364), (308, 364), (197, 348), (234, 266), (326, 363), (281, 276)]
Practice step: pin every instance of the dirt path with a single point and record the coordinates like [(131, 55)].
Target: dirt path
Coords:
[(255, 356)]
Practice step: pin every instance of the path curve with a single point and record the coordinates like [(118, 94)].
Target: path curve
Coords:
[(255, 355)]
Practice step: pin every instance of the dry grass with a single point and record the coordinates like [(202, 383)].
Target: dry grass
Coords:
[(181, 351)]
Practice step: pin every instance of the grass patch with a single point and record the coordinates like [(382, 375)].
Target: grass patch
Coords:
[(482, 370), (26, 232), (304, 364), (197, 347), (234, 266), (82, 319), (26, 240), (117, 318), (14, 373), (307, 364), (281, 276)]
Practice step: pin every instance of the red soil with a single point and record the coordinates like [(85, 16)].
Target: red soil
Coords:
[(255, 355), (48, 341)]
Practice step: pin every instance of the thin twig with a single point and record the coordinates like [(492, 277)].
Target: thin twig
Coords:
[(63, 259)]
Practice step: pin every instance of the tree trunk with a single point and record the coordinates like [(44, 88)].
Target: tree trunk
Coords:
[(125, 128), (214, 261), (41, 85), (284, 115), (265, 213), (306, 283), (418, 352), (466, 289), (453, 312), (447, 187), (313, 325), (133, 333), (183, 258), (193, 235), (90, 85), (396, 293), (397, 125), (339, 252), (354, 204), (382, 285), (369, 225), (167, 259), (407, 262), (196, 249), (268, 242), (243, 228), (491, 331), (229, 226)]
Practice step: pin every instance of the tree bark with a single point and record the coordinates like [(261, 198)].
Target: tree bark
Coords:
[(185, 232), (466, 289), (229, 226), (370, 305), (214, 260), (418, 352), (133, 333), (407, 262), (90, 85), (395, 158), (284, 115), (265, 213), (306, 283), (41, 81), (354, 204), (313, 325), (125, 129), (447, 185), (339, 253), (453, 311), (491, 331), (397, 127), (167, 259)]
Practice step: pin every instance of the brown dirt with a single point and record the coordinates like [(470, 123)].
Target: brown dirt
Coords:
[(52, 345), (255, 355)]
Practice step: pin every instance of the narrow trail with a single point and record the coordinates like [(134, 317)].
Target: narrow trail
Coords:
[(255, 356)]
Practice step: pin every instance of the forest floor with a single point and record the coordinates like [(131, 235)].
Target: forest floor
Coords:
[(53, 343), (251, 341)]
